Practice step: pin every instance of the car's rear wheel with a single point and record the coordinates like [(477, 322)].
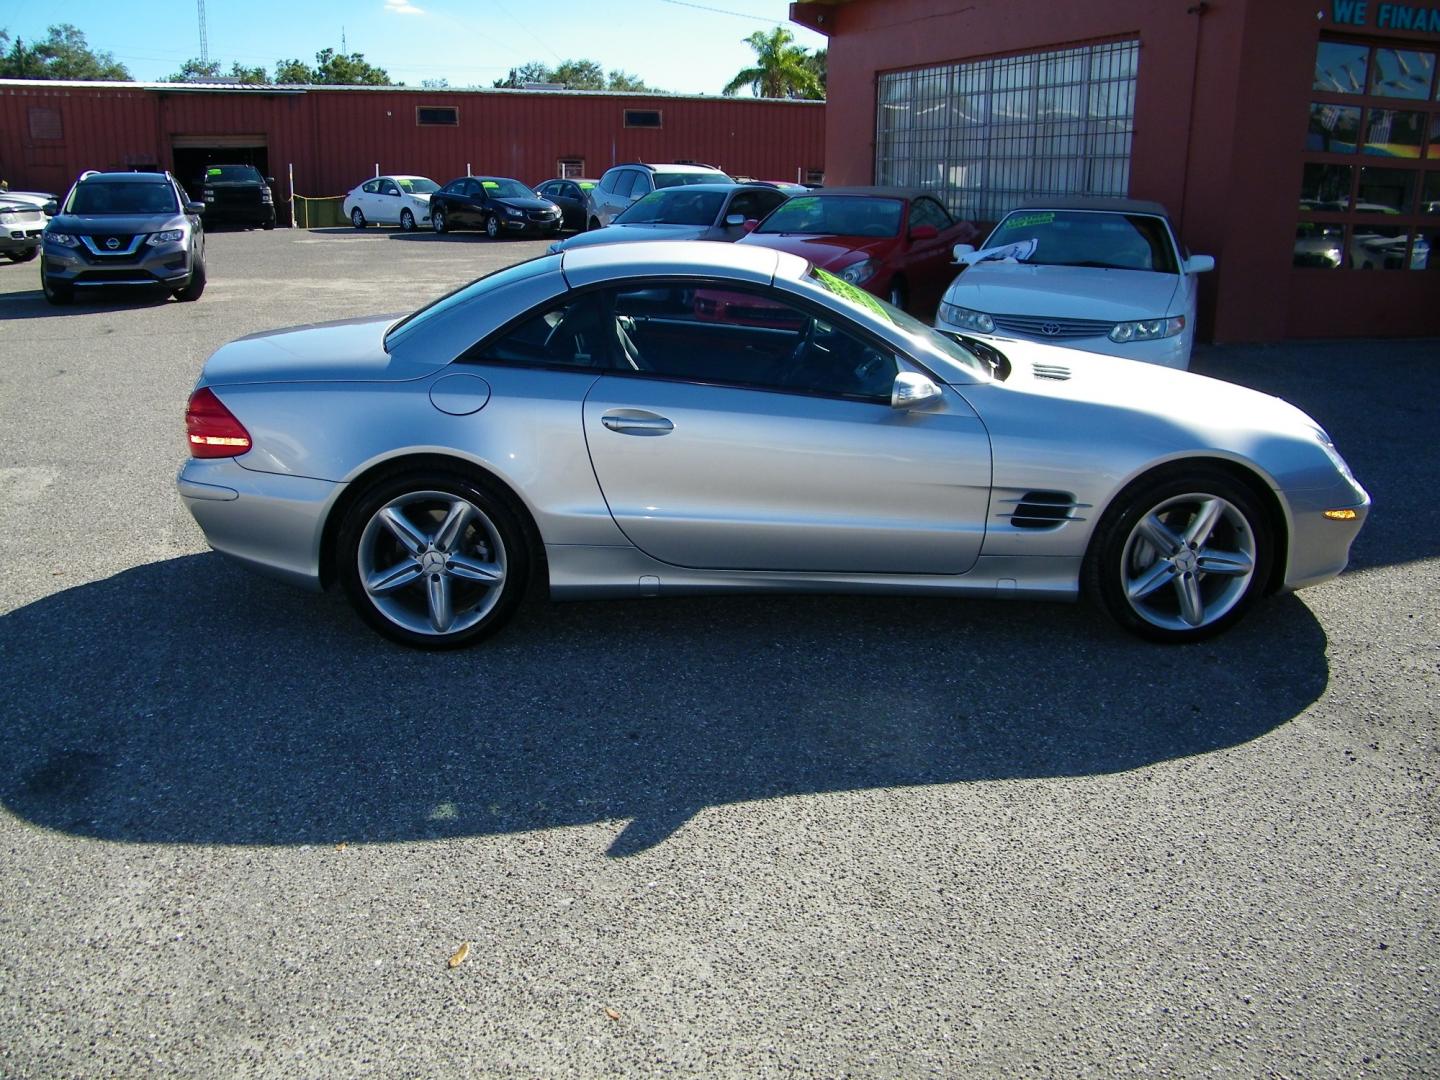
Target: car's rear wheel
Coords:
[(357, 218), (407, 221), (1182, 556), (492, 227), (193, 288), (22, 256), (433, 559)]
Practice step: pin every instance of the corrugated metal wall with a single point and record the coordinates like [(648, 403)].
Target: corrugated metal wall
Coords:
[(335, 138)]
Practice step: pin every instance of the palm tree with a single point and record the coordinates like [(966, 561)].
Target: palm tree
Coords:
[(781, 69)]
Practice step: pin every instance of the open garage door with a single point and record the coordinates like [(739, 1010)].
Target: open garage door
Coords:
[(193, 154)]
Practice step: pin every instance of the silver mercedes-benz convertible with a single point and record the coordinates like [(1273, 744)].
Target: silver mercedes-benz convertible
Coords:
[(657, 419)]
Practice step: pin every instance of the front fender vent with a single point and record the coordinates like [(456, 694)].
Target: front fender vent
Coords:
[(1054, 372), (1043, 510)]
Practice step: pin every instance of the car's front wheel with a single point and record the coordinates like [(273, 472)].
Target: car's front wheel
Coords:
[(24, 255), (407, 221), (57, 292), (492, 227), (1182, 556), (195, 287), (433, 559), (438, 222)]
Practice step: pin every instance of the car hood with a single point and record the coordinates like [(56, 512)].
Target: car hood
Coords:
[(524, 204), (118, 224), (619, 234), (1077, 292), (1165, 397), (351, 350), (826, 252)]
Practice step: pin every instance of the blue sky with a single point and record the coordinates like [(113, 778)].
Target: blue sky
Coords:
[(686, 46)]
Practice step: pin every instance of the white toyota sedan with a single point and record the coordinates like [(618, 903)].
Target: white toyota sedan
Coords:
[(1103, 275), (391, 200)]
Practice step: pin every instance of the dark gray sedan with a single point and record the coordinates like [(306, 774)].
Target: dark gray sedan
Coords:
[(695, 212)]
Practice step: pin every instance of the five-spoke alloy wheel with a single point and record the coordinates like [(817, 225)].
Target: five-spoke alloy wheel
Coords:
[(433, 559), (1180, 558)]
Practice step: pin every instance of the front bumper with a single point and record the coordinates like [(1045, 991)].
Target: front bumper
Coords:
[(526, 227), (269, 522), (20, 239), (1171, 352), (246, 215), (167, 266)]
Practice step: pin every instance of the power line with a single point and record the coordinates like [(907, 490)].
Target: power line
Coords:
[(722, 11)]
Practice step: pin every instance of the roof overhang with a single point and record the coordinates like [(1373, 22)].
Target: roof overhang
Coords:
[(818, 15)]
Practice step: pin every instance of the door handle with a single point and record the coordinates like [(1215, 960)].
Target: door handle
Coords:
[(637, 423)]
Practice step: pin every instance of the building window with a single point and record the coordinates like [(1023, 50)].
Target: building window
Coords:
[(988, 135), (814, 177), (437, 116), (45, 123), (642, 118), (1371, 171), (568, 168)]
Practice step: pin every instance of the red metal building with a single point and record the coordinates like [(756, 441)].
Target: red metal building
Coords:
[(1297, 141), (335, 137)]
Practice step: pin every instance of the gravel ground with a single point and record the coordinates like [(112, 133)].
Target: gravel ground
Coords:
[(241, 836)]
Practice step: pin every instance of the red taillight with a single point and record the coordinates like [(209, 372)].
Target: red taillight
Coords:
[(212, 428)]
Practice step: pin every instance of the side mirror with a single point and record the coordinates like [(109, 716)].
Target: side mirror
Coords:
[(1199, 264), (961, 249), (270, 180), (751, 224), (51, 208), (732, 220), (924, 232), (913, 391), (194, 208)]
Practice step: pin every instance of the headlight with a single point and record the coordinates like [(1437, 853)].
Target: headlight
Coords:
[(967, 319), (860, 272), (63, 239), (510, 211), (1147, 329), (1341, 466), (169, 236)]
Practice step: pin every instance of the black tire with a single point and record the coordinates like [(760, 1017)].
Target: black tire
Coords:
[(489, 539), (492, 227), (438, 221), (22, 256), (194, 288), (357, 218), (1163, 573), (898, 296), (592, 224), (268, 225), (57, 292), (407, 221)]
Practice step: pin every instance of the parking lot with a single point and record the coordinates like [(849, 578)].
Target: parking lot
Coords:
[(242, 835)]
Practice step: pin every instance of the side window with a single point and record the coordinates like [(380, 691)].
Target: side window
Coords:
[(455, 187), (624, 181), (580, 333), (732, 336), (929, 212), (642, 186), (388, 187), (755, 204), (370, 187), (607, 182)]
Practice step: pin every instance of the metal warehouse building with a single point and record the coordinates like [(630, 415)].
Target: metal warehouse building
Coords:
[(1297, 141), (334, 137)]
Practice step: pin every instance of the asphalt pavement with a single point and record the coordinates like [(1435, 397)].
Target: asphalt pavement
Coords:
[(240, 835)]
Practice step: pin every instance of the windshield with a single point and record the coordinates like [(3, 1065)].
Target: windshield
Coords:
[(1089, 238), (230, 174), (675, 206), (417, 185), (121, 197), (498, 188), (924, 338), (664, 180), (836, 215)]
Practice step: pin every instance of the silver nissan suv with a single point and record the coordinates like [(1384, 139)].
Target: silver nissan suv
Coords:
[(628, 183)]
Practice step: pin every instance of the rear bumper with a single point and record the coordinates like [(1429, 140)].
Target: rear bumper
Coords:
[(269, 522)]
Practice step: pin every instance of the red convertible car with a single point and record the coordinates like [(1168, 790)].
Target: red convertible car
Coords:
[(893, 242)]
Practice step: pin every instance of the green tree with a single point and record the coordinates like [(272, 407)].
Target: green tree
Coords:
[(341, 70), (195, 70), (532, 72), (251, 76), (63, 54), (435, 84), (579, 75), (782, 69), (818, 62), (292, 71), (623, 80)]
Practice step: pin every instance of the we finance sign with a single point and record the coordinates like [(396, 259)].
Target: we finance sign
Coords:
[(1385, 16)]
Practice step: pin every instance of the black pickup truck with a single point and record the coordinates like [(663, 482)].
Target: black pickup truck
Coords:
[(238, 193)]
